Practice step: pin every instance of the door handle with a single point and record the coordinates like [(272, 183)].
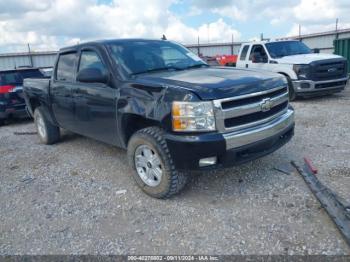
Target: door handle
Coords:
[(246, 65)]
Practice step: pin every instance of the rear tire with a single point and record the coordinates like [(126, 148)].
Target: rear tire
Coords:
[(47, 132), (154, 171)]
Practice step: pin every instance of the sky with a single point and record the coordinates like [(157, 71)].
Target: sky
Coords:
[(51, 24)]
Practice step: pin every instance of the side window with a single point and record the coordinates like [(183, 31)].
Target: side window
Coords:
[(65, 67), (244, 52), (258, 50), (90, 59)]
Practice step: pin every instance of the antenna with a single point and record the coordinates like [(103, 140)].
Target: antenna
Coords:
[(336, 24)]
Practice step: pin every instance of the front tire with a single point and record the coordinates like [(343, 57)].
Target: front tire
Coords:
[(291, 91), (47, 132), (154, 171)]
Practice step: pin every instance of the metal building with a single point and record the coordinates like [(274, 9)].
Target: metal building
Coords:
[(33, 59), (215, 49), (323, 41)]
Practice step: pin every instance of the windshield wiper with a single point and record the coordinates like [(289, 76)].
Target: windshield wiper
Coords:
[(196, 66), (158, 69)]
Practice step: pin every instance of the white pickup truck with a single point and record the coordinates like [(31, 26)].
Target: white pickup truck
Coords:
[(308, 73)]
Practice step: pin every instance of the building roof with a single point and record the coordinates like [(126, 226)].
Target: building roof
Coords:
[(332, 32)]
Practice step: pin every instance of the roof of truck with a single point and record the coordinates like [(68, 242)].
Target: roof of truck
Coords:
[(107, 41)]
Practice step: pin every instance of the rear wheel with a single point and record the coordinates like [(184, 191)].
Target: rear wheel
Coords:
[(48, 133), (154, 171)]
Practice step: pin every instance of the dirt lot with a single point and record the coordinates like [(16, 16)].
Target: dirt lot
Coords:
[(78, 197)]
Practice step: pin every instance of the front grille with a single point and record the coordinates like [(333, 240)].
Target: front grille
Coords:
[(254, 99), (331, 84), (332, 69), (250, 110), (245, 119)]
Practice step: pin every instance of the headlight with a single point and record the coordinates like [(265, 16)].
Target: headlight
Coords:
[(193, 116), (301, 70)]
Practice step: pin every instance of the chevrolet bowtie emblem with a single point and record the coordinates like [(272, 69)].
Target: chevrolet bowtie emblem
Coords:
[(266, 104)]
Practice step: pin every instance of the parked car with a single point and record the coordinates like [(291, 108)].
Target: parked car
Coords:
[(162, 103), (308, 73), (11, 93)]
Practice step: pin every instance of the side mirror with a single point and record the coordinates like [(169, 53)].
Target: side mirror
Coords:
[(316, 50), (92, 75)]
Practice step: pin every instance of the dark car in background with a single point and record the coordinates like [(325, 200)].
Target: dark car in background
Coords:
[(12, 103)]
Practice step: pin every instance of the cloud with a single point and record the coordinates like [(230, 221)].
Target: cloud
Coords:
[(55, 23), (50, 24), (313, 15), (315, 10)]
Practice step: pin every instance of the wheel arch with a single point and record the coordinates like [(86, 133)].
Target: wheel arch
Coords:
[(131, 123)]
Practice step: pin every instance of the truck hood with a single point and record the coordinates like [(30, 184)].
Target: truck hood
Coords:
[(217, 82), (305, 59)]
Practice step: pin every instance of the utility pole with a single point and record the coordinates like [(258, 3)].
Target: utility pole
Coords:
[(198, 48), (232, 43), (336, 29), (336, 24), (30, 56), (208, 32)]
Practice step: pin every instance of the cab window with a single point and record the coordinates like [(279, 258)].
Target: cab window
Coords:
[(65, 67), (90, 59), (258, 54)]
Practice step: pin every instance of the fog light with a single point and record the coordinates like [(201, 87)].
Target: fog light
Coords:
[(207, 161), (305, 85)]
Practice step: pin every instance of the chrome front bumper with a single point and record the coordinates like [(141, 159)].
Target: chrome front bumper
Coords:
[(304, 86), (260, 132)]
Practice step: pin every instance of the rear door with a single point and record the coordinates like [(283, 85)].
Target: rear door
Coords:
[(61, 90), (95, 103)]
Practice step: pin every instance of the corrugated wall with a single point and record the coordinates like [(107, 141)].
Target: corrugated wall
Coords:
[(12, 61), (323, 41), (215, 49), (46, 59), (342, 47)]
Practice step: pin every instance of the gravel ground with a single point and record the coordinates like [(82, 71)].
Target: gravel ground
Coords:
[(78, 197)]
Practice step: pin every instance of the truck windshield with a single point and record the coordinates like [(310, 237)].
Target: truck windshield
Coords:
[(144, 56), (287, 48)]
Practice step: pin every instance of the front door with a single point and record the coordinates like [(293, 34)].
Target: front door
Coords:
[(258, 57), (95, 103)]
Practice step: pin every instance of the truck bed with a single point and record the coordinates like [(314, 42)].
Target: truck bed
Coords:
[(36, 88)]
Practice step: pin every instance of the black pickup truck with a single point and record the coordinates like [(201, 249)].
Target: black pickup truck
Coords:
[(162, 103)]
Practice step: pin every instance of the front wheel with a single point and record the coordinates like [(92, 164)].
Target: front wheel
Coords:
[(48, 133), (291, 91), (154, 171)]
